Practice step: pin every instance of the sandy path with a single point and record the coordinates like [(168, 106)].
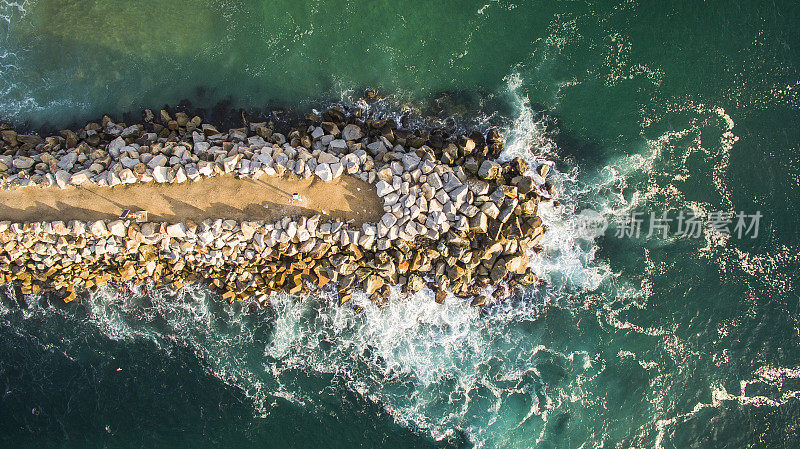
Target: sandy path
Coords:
[(219, 197)]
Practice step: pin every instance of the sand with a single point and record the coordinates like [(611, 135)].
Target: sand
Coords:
[(226, 197)]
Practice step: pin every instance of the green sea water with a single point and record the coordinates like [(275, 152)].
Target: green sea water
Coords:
[(632, 342)]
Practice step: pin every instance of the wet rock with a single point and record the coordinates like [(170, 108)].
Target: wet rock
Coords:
[(373, 283), (489, 170), (479, 301), (352, 132), (10, 137), (543, 170)]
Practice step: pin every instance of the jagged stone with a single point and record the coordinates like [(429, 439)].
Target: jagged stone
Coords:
[(383, 188), (323, 172), (337, 169), (79, 178), (479, 223), (160, 174), (352, 132), (22, 162), (62, 178), (158, 160), (489, 170), (177, 230), (338, 145), (68, 160), (490, 209)]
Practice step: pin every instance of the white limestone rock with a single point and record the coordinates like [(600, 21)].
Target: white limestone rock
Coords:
[(180, 175), (117, 228), (177, 230), (98, 229), (127, 176), (62, 178), (160, 174), (323, 172), (229, 163), (383, 188), (79, 178)]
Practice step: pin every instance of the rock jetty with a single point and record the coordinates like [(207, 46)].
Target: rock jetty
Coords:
[(454, 218)]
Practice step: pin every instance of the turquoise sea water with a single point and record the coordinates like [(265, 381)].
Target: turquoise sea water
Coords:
[(648, 342)]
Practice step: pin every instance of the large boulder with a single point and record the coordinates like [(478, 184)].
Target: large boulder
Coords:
[(372, 284), (62, 178), (158, 160), (338, 145), (127, 162), (117, 228), (79, 178), (490, 209), (126, 176), (459, 195), (388, 220), (326, 158), (337, 169), (352, 132), (517, 263), (67, 161), (115, 146), (489, 170), (383, 188), (411, 161), (229, 163), (351, 163), (323, 172), (23, 162), (177, 230), (160, 174), (479, 223), (98, 229)]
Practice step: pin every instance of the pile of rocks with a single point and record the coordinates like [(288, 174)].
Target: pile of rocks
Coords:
[(454, 217)]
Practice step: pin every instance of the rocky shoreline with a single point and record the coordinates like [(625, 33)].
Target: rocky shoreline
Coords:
[(454, 218)]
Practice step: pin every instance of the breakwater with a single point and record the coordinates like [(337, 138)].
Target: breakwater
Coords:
[(454, 218)]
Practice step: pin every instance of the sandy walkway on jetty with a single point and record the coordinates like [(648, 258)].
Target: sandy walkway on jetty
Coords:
[(223, 197)]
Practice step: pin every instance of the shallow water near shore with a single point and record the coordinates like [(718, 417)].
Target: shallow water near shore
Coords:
[(643, 342)]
